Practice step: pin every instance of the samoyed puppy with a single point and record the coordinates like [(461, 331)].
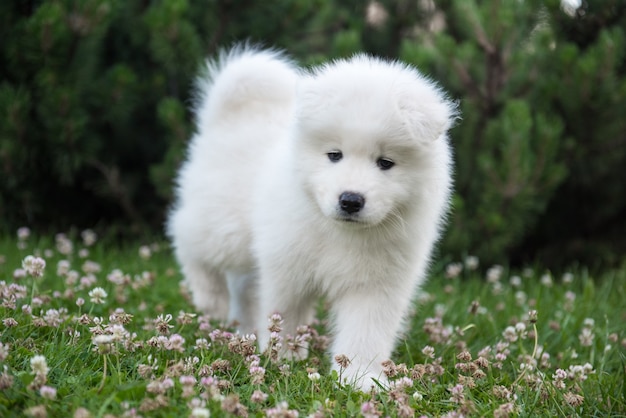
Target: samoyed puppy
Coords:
[(329, 182)]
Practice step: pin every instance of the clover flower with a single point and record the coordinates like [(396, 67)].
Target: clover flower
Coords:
[(201, 344), (453, 270), (471, 262), (369, 409), (6, 379), (103, 343), (10, 322), (505, 410), (257, 373), (457, 394), (232, 405), (71, 278), (23, 233), (200, 412), (63, 267), (97, 295), (570, 298), (48, 392), (89, 237), (258, 396), (579, 373), (494, 274), (145, 252), (39, 365), (64, 244), (160, 386), (53, 317), (175, 343), (281, 410), (558, 378), (162, 323), (34, 266), (185, 318), (91, 267), (116, 276), (313, 375), (546, 280), (19, 274), (275, 323), (586, 334), (4, 351), (573, 399), (188, 383)]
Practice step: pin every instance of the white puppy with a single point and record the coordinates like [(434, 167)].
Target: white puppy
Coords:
[(333, 182)]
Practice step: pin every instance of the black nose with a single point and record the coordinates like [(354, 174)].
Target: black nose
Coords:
[(351, 202)]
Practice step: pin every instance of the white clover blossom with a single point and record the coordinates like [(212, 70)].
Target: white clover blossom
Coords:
[(117, 277), (103, 339), (314, 376), (510, 334), (568, 278), (199, 412), (91, 267), (97, 295), (494, 274), (4, 351), (39, 365), (48, 392), (516, 281), (23, 233), (145, 252), (471, 262), (586, 337), (64, 244), (34, 265), (546, 280), (453, 270), (89, 237), (428, 351), (63, 268)]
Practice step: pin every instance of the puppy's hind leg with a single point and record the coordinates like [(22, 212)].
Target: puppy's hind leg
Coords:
[(208, 289), (295, 308), (243, 301)]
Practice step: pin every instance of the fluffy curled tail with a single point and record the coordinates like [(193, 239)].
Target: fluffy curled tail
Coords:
[(240, 78)]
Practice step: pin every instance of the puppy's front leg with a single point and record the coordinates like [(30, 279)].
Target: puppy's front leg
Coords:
[(296, 308), (367, 323)]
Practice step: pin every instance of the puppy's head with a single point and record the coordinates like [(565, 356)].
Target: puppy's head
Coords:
[(370, 138)]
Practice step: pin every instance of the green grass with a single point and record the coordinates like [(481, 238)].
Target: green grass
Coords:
[(138, 374)]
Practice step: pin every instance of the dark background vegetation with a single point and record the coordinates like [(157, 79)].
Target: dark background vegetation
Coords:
[(94, 105)]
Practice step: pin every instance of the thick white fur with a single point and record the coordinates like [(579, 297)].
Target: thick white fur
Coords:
[(258, 227)]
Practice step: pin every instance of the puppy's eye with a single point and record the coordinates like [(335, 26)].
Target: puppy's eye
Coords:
[(384, 163), (335, 156)]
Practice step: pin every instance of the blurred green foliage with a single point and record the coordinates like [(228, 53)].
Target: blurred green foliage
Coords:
[(95, 102)]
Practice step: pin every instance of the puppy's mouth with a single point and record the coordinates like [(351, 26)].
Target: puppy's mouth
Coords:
[(349, 218)]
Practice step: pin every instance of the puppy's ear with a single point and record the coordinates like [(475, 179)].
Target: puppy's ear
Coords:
[(427, 120)]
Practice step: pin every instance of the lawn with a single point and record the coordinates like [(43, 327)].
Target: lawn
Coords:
[(91, 329)]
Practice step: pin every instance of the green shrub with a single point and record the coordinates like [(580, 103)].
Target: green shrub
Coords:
[(96, 102), (540, 143)]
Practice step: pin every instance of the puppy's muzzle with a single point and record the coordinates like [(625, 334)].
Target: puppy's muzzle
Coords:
[(351, 202)]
